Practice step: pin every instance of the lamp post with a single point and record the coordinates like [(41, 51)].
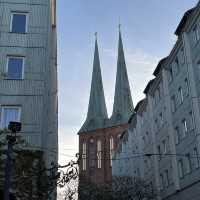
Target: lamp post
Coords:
[(14, 127)]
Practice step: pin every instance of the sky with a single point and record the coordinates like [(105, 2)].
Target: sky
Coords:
[(148, 35)]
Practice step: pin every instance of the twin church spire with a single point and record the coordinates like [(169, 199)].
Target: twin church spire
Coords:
[(97, 116)]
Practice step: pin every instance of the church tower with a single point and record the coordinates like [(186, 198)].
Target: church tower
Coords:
[(99, 135)]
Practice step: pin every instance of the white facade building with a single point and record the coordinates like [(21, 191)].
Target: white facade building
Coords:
[(162, 144)]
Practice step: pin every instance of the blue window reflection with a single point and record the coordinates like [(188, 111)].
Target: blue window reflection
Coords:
[(19, 23), (15, 68)]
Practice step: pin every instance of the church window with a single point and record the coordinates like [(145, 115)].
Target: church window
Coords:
[(92, 154), (111, 149), (84, 154), (99, 154)]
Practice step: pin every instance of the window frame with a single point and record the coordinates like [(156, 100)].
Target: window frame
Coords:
[(19, 13), (23, 66)]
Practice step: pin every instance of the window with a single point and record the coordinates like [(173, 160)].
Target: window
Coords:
[(84, 156), (192, 121), (173, 103), (177, 65), (8, 114), (156, 125), (166, 178), (159, 152), (188, 163), (186, 87), (161, 119), (170, 75), (164, 146), (161, 182), (180, 167), (180, 95), (184, 127), (111, 149), (144, 141), (15, 67), (177, 135), (182, 56), (99, 154), (19, 22), (196, 158), (196, 34)]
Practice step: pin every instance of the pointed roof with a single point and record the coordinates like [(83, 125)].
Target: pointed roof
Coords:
[(123, 104), (97, 112)]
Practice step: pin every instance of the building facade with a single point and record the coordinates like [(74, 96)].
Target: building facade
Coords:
[(28, 72), (162, 142), (99, 135)]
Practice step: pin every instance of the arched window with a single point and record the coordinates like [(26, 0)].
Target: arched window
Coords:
[(99, 149), (84, 156), (92, 153), (111, 149)]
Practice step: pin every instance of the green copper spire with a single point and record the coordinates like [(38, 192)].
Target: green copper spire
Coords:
[(97, 112), (123, 105)]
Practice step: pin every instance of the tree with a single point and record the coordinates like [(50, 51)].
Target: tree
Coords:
[(133, 189), (29, 178), (123, 188)]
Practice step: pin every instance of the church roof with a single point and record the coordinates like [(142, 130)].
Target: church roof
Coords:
[(97, 112), (123, 105)]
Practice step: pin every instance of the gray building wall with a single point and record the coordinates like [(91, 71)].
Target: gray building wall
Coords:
[(36, 93)]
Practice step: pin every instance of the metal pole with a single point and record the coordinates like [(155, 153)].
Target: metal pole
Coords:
[(8, 171)]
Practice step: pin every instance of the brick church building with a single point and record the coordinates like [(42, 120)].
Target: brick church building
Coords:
[(99, 135)]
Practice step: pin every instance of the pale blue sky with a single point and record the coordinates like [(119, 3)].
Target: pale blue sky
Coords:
[(147, 30)]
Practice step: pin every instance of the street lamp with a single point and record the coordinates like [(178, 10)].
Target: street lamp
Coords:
[(14, 127)]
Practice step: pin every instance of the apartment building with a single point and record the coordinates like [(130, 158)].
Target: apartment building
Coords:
[(166, 125)]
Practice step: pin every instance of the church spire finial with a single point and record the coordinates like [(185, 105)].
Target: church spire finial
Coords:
[(123, 105), (95, 34)]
